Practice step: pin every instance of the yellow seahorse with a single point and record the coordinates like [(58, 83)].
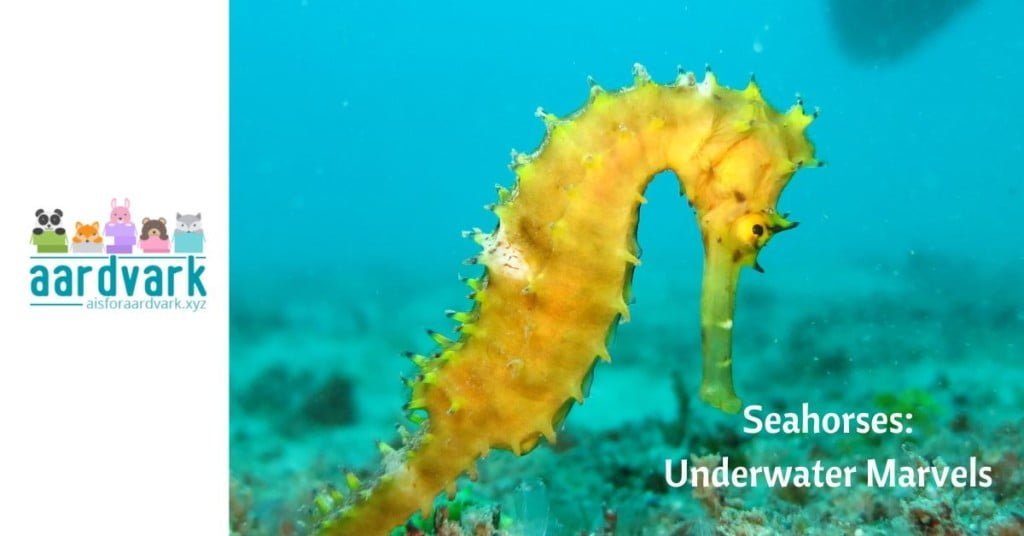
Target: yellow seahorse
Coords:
[(558, 269)]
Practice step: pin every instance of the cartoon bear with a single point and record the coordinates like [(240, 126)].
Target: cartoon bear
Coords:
[(154, 237), (49, 236), (120, 228), (87, 238), (188, 234)]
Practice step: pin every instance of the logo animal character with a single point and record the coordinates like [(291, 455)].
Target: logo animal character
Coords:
[(154, 237), (87, 233), (87, 238), (120, 228), (120, 213), (190, 223), (49, 236), (49, 221), (188, 234)]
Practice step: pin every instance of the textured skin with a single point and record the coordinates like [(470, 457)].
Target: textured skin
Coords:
[(558, 269)]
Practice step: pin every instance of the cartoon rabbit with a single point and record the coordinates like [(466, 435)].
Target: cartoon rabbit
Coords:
[(120, 228)]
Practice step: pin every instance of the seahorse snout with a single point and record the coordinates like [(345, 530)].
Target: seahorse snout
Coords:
[(752, 232)]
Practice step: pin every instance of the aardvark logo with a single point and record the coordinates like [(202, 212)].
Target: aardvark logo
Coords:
[(120, 263)]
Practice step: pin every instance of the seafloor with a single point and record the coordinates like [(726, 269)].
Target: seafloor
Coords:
[(315, 380)]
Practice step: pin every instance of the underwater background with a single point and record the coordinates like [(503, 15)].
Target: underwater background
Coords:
[(366, 135)]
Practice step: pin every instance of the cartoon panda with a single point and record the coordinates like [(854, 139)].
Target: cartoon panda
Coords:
[(49, 236), (49, 221)]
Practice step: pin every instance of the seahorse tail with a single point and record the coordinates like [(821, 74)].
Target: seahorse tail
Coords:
[(412, 477)]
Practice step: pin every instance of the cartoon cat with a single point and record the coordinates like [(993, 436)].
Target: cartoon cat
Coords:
[(188, 233)]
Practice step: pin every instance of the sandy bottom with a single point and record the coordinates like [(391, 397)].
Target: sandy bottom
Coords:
[(315, 381)]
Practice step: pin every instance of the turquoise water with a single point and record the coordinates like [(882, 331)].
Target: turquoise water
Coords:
[(380, 129), (366, 136)]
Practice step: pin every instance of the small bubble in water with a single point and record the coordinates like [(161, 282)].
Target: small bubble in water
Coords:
[(758, 47)]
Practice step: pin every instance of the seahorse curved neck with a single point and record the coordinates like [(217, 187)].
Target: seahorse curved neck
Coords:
[(559, 265), (571, 224)]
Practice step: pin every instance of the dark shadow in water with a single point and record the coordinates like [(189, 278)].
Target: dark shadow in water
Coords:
[(883, 31)]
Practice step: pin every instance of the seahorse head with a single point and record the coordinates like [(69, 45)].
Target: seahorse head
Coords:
[(752, 231), (734, 181), (734, 234)]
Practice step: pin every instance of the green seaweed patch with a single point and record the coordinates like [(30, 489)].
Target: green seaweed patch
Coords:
[(915, 401), (453, 510), (918, 402)]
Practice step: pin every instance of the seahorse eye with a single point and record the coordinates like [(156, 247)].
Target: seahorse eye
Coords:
[(752, 230)]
